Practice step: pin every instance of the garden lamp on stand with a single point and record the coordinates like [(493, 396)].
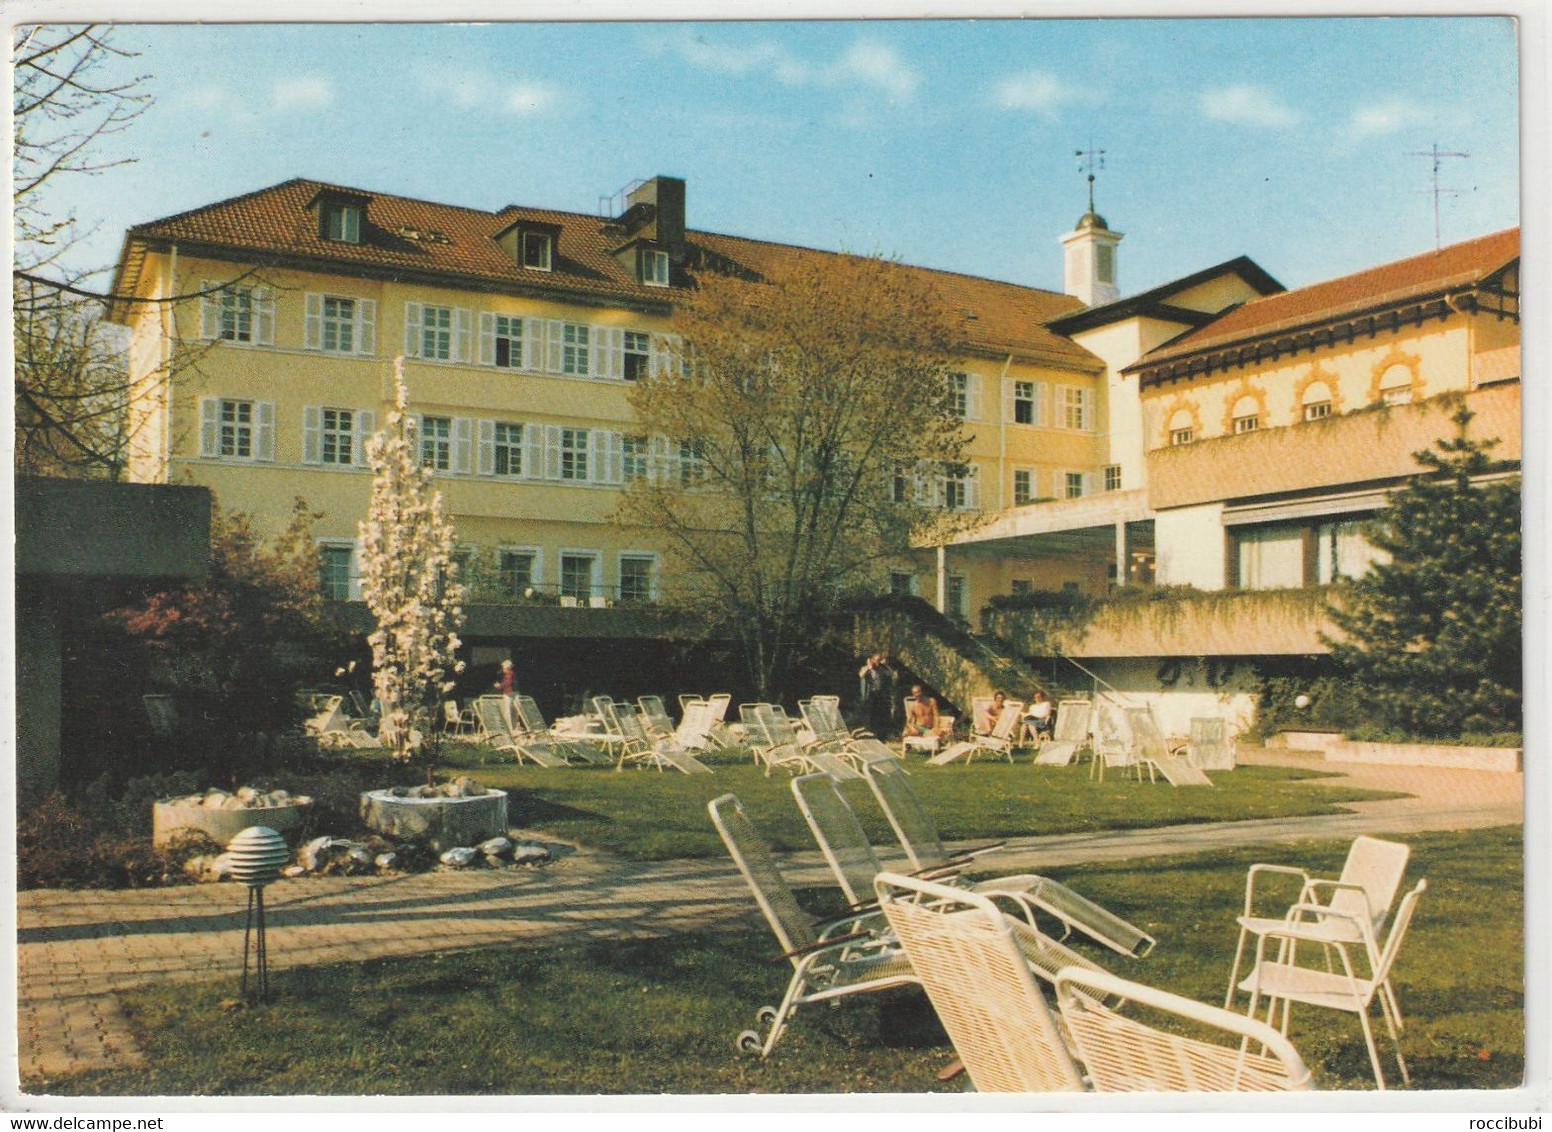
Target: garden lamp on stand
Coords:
[(257, 854)]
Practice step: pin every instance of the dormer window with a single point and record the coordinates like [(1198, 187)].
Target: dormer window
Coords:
[(654, 267), (537, 250), (341, 223)]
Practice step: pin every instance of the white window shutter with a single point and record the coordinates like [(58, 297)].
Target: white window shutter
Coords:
[(463, 446), (1009, 414), (487, 340), (264, 316), (312, 432), (209, 311), (552, 452), (535, 354), (357, 553), (366, 326), (608, 352), (533, 451), (412, 328), (366, 425), (973, 489), (924, 485), (972, 396), (210, 426), (657, 459), (613, 467), (1042, 404), (555, 335), (597, 454), (486, 431), (664, 348), (264, 431), (312, 323), (463, 332)]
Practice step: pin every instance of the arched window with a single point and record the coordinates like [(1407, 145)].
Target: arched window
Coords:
[(1396, 385), (1182, 429), (1317, 401), (1247, 415)]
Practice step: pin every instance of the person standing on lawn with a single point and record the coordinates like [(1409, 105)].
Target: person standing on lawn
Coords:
[(878, 692)]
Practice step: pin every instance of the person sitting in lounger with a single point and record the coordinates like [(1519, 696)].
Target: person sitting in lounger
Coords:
[(1040, 719), (921, 714), (990, 713)]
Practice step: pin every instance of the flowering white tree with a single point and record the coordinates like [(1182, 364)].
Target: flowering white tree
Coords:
[(408, 581)]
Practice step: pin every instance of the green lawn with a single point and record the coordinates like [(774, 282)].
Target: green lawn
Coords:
[(654, 1016), (653, 816)]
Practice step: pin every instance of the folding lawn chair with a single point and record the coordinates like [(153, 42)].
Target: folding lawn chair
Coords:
[(536, 729), (1152, 751), (968, 956), (654, 717), (499, 734), (778, 729), (637, 747), (918, 836), (1071, 733), (998, 741)]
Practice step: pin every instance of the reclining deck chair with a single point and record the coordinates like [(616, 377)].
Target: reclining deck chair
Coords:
[(1152, 751), (850, 855), (536, 729), (775, 743), (965, 952), (333, 728), (654, 717), (1210, 746), (823, 716), (1073, 720), (845, 957), (918, 836), (1113, 744), (1283, 981), (638, 747), (1362, 895), (498, 732), (998, 741)]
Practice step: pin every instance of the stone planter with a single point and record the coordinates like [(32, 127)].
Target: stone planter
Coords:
[(439, 822), (1505, 760), (169, 819)]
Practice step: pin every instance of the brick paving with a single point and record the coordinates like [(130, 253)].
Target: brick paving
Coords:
[(77, 950)]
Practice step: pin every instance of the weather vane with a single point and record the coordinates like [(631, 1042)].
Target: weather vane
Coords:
[(1089, 161)]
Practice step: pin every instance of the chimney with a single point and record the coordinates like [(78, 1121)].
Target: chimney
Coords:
[(666, 196)]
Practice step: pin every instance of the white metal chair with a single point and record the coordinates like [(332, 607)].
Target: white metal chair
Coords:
[(998, 741), (1283, 981), (967, 955), (1070, 735), (536, 729), (462, 724), (498, 732), (1152, 751), (844, 957)]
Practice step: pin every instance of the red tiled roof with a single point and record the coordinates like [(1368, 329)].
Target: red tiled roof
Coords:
[(1458, 265), (275, 221)]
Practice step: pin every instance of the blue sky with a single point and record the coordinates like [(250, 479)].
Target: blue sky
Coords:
[(949, 144)]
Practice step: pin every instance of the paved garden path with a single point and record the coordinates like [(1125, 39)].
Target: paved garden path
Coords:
[(76, 950)]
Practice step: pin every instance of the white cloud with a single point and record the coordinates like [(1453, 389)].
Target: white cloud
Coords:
[(469, 89), (1386, 117), (1038, 91), (1247, 106), (866, 63), (301, 91), (530, 98)]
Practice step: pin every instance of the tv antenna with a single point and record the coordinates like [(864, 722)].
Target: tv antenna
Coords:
[(1090, 161), (1436, 192)]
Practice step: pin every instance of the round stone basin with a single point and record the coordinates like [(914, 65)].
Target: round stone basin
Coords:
[(169, 819), (439, 822)]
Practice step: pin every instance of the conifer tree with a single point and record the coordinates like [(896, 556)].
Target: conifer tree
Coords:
[(408, 581), (1433, 636)]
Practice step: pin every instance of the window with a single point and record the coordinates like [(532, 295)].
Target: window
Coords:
[(573, 454), (1401, 395), (517, 570), (536, 248), (1342, 551), (1026, 403), (1270, 557), (342, 222), (902, 485), (1316, 402), (1104, 263), (238, 314), (340, 324), (902, 583), (959, 394), (507, 457), (1181, 436), (634, 458), (1073, 407), (1246, 415), (956, 487), (638, 355), (506, 341), (1317, 410), (638, 578), (1073, 485), (436, 443), (574, 348), (1023, 485), (334, 571), (337, 437), (436, 333), (654, 267), (1246, 424), (1396, 385), (237, 430), (1112, 477), (577, 570), (957, 597), (692, 462)]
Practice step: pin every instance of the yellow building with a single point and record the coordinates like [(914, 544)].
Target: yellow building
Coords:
[(522, 330)]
